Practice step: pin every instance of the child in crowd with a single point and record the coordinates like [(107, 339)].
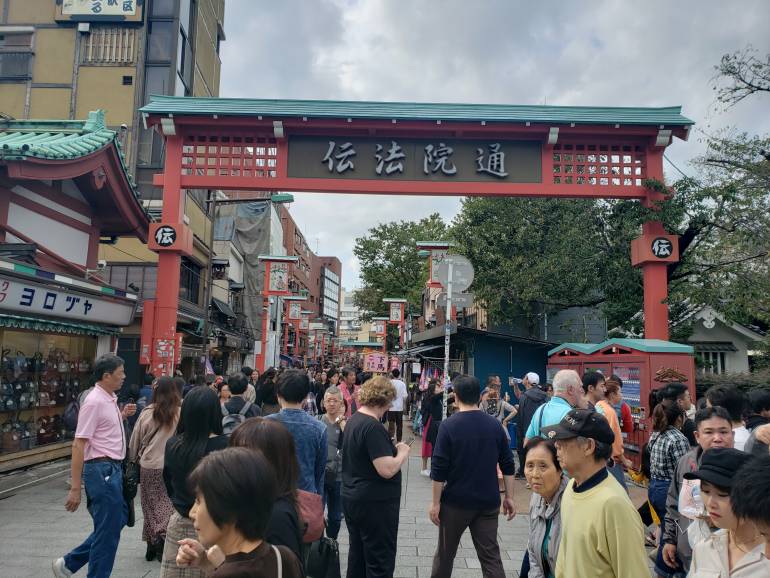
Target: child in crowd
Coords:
[(235, 524)]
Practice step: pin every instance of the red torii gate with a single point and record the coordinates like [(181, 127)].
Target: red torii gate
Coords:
[(407, 149)]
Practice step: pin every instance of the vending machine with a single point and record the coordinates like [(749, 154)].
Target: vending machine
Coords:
[(644, 365)]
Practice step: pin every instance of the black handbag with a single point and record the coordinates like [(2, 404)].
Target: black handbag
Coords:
[(324, 559), (130, 479)]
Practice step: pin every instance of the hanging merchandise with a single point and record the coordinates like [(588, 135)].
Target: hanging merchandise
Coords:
[(45, 373)]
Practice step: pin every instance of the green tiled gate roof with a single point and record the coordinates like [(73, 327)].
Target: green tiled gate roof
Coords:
[(182, 106)]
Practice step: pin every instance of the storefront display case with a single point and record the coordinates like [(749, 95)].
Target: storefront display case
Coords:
[(644, 365), (40, 374)]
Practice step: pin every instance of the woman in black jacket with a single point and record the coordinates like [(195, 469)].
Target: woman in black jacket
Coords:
[(432, 413), (277, 444), (198, 433)]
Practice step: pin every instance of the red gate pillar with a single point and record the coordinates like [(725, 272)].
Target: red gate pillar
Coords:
[(261, 361), (653, 251), (170, 239)]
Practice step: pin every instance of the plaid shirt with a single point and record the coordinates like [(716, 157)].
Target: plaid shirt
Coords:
[(665, 450)]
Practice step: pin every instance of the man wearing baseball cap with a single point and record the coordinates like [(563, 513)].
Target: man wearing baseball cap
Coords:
[(602, 534), (532, 398)]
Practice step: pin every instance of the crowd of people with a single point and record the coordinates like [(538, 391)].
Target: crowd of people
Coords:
[(243, 475)]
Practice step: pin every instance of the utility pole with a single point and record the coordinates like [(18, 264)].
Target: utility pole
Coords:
[(447, 333)]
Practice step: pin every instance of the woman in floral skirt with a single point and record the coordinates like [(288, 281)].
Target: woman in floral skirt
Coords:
[(155, 425)]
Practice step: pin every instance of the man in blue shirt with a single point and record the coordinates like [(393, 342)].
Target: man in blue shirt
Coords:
[(470, 446), (567, 394), (309, 434)]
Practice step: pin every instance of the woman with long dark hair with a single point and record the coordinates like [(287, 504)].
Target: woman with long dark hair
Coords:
[(666, 446), (198, 433), (277, 444), (266, 392), (432, 412), (155, 425)]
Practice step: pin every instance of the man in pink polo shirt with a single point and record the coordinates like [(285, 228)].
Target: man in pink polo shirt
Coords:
[(97, 456)]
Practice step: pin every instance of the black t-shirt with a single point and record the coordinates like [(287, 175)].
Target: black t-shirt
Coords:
[(175, 474), (364, 441), (260, 563)]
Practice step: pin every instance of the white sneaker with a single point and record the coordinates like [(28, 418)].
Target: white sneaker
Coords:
[(425, 473), (60, 569)]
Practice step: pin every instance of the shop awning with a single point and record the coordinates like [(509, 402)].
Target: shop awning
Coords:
[(52, 326), (223, 307), (419, 349)]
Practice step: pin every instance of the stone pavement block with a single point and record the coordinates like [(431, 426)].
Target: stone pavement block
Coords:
[(35, 515), (424, 572)]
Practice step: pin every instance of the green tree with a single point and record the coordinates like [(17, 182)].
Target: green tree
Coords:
[(535, 255), (544, 255), (390, 264)]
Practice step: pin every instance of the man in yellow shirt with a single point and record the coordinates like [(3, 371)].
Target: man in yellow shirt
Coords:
[(602, 535)]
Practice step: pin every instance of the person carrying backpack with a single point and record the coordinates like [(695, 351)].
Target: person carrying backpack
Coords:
[(237, 410)]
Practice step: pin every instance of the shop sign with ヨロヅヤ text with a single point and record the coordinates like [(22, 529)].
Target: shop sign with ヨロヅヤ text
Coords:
[(408, 159), (28, 298)]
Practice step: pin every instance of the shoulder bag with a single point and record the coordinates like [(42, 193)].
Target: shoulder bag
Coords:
[(131, 468), (311, 510)]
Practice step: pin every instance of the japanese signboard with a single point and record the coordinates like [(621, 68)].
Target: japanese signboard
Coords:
[(279, 277), (415, 159), (304, 324), (379, 327), (436, 257), (295, 311), (99, 9), (395, 363), (376, 363), (396, 312), (662, 247), (26, 297)]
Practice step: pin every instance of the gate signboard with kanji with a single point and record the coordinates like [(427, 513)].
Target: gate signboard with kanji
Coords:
[(394, 148)]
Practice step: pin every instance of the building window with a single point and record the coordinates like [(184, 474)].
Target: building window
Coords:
[(15, 55), (109, 45), (185, 16), (163, 8), (151, 143), (138, 279), (190, 281), (184, 64), (713, 361), (160, 41)]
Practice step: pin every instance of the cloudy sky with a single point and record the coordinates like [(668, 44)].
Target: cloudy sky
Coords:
[(601, 53)]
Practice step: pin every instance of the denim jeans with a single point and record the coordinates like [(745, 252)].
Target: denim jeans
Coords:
[(333, 495), (617, 472), (657, 493), (104, 490)]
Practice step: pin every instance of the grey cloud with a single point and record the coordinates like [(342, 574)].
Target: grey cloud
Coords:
[(609, 52)]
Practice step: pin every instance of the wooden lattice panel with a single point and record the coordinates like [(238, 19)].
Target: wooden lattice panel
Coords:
[(230, 156), (601, 165)]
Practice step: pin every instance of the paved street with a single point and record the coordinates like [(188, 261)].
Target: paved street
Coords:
[(35, 529)]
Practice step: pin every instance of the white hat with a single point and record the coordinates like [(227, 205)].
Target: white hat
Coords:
[(533, 378)]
